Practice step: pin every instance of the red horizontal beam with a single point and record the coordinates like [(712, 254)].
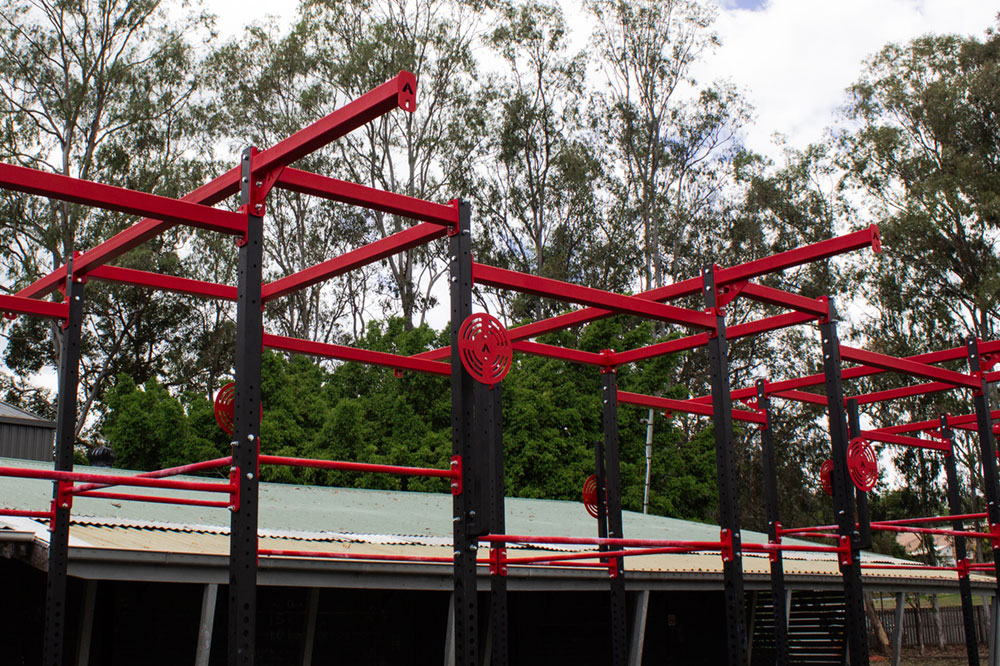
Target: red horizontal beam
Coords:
[(685, 406), (369, 106), (362, 256), (343, 191), (155, 499), (909, 367), (935, 424), (902, 440), (109, 197), (343, 353), (803, 396), (902, 392), (868, 237), (552, 351), (660, 349), (164, 282), (819, 307), (784, 260), (953, 354), (325, 554), (547, 287), (111, 479), (398, 92), (34, 307), (161, 473), (360, 467)]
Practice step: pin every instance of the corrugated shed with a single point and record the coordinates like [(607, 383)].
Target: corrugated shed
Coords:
[(25, 435), (340, 520)]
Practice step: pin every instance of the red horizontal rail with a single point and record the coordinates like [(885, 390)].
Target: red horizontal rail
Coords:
[(934, 519), (156, 499), (371, 105), (934, 424), (818, 307), (343, 191), (788, 547), (906, 366), (868, 237), (343, 353), (109, 197), (109, 479), (24, 513), (564, 291), (803, 396), (902, 440), (563, 353), (270, 552), (161, 473), (685, 406), (598, 541), (941, 356), (902, 392), (779, 262), (172, 283), (599, 554), (34, 307), (362, 256), (884, 527), (914, 567), (360, 467)]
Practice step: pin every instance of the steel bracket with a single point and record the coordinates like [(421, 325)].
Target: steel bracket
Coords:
[(844, 551), (609, 360), (234, 489), (727, 551), (613, 567), (774, 554), (728, 294), (995, 539), (456, 479), (963, 568), (63, 498), (498, 561)]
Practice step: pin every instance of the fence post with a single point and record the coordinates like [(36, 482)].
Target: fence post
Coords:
[(897, 630)]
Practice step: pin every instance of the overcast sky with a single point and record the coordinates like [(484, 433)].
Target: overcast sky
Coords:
[(793, 58)]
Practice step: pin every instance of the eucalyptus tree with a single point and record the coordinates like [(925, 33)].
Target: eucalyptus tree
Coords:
[(99, 91), (922, 149), (359, 44)]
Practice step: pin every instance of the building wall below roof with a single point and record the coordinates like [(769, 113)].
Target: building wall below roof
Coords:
[(28, 442)]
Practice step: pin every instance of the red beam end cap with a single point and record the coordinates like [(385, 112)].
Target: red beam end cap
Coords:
[(876, 239), (407, 91)]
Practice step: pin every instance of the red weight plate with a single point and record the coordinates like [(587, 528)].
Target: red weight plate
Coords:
[(862, 464), (590, 495), (224, 407), (826, 477), (484, 348)]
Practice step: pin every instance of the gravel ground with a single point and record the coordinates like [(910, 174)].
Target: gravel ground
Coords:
[(950, 656)]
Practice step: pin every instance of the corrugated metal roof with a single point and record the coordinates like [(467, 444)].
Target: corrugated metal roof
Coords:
[(10, 411), (322, 519)]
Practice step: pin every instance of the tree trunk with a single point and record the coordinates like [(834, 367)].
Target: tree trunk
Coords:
[(937, 621), (876, 622)]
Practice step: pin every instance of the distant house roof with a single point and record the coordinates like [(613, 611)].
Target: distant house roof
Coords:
[(11, 414), (114, 539)]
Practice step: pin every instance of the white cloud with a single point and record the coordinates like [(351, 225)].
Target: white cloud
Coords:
[(795, 58)]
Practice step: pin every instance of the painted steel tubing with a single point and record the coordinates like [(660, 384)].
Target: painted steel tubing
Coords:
[(160, 473), (360, 467), (54, 475), (186, 501)]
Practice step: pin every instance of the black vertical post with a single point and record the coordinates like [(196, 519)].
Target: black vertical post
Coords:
[(612, 471), (861, 497), (729, 517), (466, 521), (602, 493), (779, 600), (69, 378), (843, 504), (493, 417), (246, 433), (987, 450), (961, 556)]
